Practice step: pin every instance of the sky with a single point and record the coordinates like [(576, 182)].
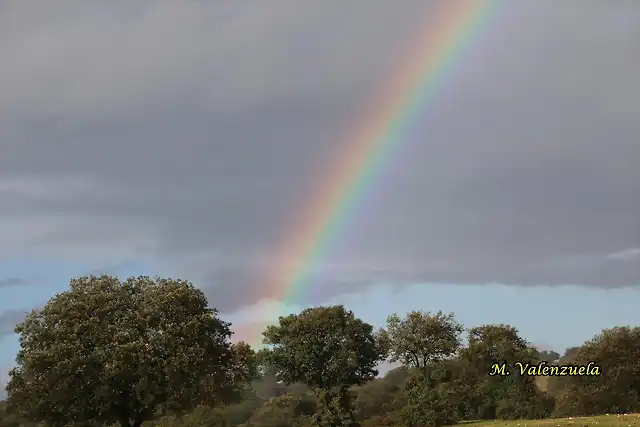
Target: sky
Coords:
[(184, 138)]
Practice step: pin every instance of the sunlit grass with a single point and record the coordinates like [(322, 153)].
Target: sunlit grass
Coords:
[(618, 420)]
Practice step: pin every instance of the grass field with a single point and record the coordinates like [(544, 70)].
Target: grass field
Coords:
[(627, 420)]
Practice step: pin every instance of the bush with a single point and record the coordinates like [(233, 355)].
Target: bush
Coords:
[(427, 406), (573, 401), (524, 401), (390, 419), (285, 411), (617, 389), (377, 397), (199, 417)]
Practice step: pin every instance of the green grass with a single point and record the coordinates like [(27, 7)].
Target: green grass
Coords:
[(626, 420)]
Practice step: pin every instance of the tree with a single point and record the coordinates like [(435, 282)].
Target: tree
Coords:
[(397, 377), (428, 403), (503, 396), (267, 385), (421, 341), (421, 338), (491, 344), (244, 369), (108, 351), (329, 350), (569, 354), (616, 389)]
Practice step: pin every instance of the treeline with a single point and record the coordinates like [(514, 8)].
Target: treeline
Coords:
[(150, 351)]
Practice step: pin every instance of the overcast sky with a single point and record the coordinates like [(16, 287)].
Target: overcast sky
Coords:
[(184, 138)]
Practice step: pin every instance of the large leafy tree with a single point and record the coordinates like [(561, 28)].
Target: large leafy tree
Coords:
[(421, 338), (329, 350), (509, 396), (420, 342), (108, 351), (617, 388), (491, 344)]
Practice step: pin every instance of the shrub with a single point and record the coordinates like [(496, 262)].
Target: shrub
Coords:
[(390, 419)]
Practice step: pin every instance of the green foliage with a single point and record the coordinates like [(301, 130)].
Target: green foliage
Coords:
[(428, 405), (555, 385), (322, 347), (460, 384), (243, 368), (11, 420), (523, 400), (377, 398), (421, 338), (569, 354), (120, 352), (199, 416), (335, 408), (489, 344), (290, 410), (329, 350), (397, 377), (239, 413), (389, 419), (149, 350), (617, 388), (505, 397)]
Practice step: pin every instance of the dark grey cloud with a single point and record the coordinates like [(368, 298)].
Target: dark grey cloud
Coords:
[(201, 145)]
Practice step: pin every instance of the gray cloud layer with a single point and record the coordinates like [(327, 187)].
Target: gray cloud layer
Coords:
[(193, 132)]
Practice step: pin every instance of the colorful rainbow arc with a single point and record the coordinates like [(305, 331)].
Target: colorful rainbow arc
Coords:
[(373, 139)]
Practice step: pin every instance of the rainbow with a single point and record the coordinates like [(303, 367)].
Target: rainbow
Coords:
[(372, 141)]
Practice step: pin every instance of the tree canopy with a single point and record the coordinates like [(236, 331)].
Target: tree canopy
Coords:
[(421, 338), (617, 389), (149, 349), (323, 347), (108, 351), (507, 397), (329, 350)]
